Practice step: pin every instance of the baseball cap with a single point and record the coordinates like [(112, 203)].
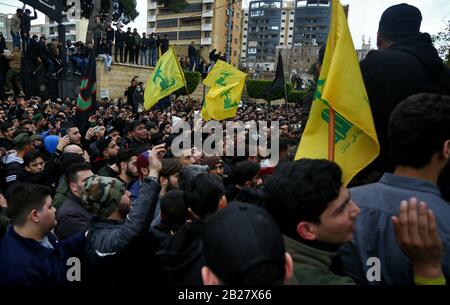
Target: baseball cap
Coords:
[(402, 19), (212, 161), (240, 237), (23, 139), (102, 194)]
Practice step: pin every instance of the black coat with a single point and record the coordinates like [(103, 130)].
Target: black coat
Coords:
[(120, 39), (164, 45), (109, 34), (405, 68)]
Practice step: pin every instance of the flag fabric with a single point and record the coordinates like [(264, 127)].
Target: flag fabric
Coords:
[(87, 98), (278, 82), (165, 79), (226, 85), (341, 87)]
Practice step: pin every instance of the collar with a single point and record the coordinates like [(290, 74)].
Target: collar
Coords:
[(33, 245), (410, 183)]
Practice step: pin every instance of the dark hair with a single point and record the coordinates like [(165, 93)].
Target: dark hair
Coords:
[(169, 167), (23, 198), (5, 126), (174, 210), (163, 125), (301, 191), (418, 128), (73, 170), (125, 155), (204, 195), (30, 156), (245, 171)]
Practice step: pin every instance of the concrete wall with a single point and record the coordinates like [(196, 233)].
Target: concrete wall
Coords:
[(114, 83)]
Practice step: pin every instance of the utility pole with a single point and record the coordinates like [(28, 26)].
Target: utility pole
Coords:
[(230, 29)]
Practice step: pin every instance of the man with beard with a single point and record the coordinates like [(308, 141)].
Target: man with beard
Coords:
[(115, 254), (419, 134), (126, 164)]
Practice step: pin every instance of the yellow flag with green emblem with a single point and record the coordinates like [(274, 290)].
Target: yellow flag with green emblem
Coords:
[(165, 79), (341, 86), (226, 85)]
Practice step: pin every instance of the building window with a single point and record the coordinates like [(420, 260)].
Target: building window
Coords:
[(284, 13), (292, 20), (167, 23), (257, 13), (208, 6), (290, 36), (281, 43), (189, 35), (274, 27), (245, 36), (282, 29), (207, 34), (282, 36), (207, 20), (290, 29), (152, 24), (251, 50), (244, 43), (245, 21), (283, 21)]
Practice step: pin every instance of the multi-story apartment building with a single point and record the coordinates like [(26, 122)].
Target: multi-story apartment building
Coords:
[(312, 18), (211, 24)]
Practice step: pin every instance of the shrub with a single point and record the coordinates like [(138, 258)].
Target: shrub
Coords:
[(192, 82), (261, 89)]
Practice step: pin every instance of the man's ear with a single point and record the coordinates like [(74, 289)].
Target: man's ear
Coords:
[(289, 267), (307, 230), (27, 168), (208, 277), (163, 181), (223, 202), (34, 217), (446, 149)]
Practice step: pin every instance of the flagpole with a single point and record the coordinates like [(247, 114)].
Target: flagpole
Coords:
[(182, 74), (332, 114)]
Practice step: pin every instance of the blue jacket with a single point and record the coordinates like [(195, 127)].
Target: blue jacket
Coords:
[(24, 261), (374, 234)]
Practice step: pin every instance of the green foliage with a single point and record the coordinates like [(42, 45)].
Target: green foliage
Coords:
[(260, 89), (296, 96), (123, 11), (442, 43), (192, 81), (173, 5)]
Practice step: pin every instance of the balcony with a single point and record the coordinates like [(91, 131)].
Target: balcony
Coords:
[(151, 30), (207, 27), (208, 13), (152, 5), (151, 18), (208, 1), (206, 41)]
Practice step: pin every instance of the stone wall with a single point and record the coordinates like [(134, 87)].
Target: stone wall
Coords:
[(114, 83)]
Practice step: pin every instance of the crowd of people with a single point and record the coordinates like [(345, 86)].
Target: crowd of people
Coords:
[(133, 211)]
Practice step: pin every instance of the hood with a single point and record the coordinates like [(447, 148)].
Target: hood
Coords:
[(185, 247), (11, 158), (421, 47)]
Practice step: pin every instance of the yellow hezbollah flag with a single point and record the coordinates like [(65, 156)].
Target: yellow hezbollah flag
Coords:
[(167, 77), (341, 86), (223, 98)]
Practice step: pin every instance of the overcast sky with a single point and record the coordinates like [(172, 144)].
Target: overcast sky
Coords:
[(363, 15)]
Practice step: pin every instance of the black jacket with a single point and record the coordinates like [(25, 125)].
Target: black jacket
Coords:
[(183, 258), (405, 68), (129, 39), (72, 217), (120, 39), (164, 45), (109, 35), (192, 52), (25, 24), (120, 252)]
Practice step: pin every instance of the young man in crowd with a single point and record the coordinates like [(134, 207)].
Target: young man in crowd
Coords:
[(29, 252), (416, 175), (72, 216)]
